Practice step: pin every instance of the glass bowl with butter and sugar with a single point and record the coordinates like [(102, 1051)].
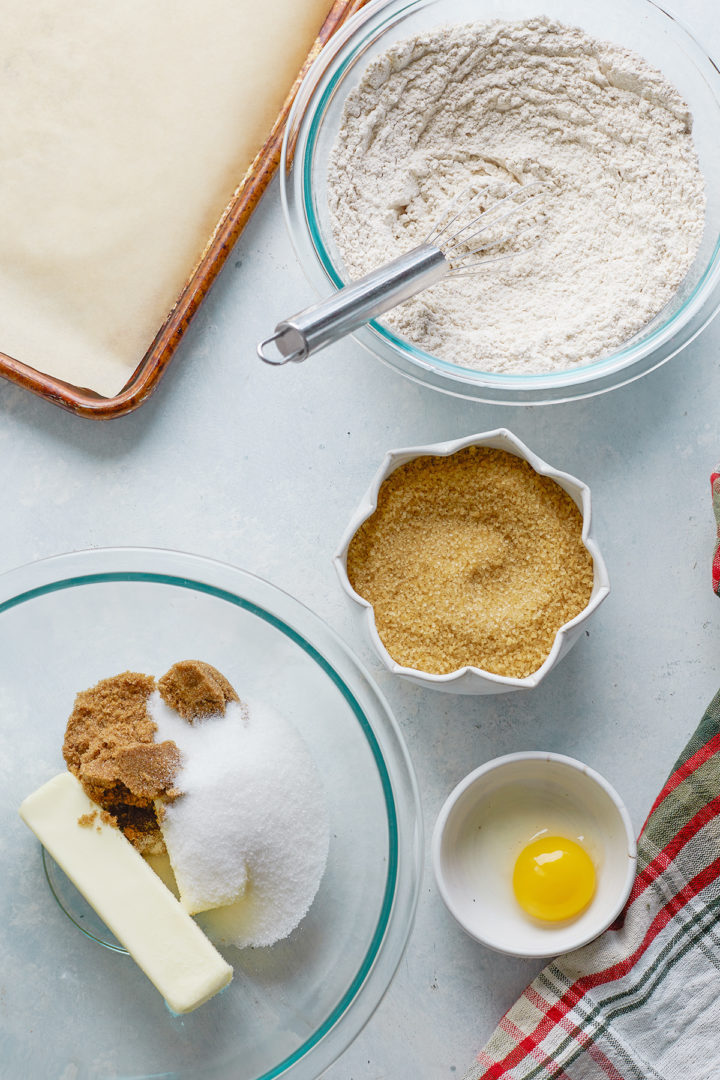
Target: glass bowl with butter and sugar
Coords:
[(271, 773)]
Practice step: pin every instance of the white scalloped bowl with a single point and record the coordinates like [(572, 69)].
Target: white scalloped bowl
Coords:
[(473, 680)]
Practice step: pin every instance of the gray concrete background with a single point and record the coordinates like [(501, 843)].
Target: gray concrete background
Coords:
[(262, 468)]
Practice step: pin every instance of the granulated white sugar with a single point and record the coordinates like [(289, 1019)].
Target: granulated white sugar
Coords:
[(608, 136), (249, 836)]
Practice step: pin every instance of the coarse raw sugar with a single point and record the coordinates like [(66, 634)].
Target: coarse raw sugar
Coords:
[(471, 560)]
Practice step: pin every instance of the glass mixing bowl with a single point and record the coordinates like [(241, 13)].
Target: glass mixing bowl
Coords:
[(639, 25), (73, 1006)]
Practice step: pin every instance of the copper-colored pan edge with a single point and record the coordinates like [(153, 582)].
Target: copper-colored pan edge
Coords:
[(146, 376)]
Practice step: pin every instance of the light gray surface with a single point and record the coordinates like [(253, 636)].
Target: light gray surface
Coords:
[(262, 468)]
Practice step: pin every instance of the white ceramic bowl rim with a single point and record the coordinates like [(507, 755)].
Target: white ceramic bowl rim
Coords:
[(498, 763), (601, 587)]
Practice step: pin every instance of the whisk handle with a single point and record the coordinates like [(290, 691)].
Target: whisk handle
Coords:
[(317, 326)]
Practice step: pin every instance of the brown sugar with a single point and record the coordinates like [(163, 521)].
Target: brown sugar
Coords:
[(142, 771), (110, 744), (473, 559), (108, 720), (196, 689)]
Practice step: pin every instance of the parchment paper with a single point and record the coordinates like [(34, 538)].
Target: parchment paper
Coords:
[(124, 130)]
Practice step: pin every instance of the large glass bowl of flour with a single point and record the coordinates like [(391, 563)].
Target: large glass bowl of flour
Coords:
[(75, 1005), (317, 119)]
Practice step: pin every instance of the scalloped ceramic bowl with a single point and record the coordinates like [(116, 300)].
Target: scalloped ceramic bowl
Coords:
[(473, 680)]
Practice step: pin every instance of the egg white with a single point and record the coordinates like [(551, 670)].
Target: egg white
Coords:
[(494, 834)]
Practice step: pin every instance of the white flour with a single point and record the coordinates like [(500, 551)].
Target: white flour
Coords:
[(523, 101)]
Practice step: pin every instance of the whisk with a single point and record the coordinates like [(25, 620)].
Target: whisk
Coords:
[(452, 249)]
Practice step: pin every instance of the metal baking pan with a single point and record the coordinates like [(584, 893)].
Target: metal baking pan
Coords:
[(149, 371)]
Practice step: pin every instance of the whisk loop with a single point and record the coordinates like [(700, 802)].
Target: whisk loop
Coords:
[(444, 253)]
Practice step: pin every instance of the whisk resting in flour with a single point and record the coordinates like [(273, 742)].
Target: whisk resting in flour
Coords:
[(472, 233)]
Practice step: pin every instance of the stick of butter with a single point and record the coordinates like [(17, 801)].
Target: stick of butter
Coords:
[(128, 896)]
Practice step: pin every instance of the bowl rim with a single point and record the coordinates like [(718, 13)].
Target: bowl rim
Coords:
[(620, 367), (541, 757), (368, 504), (400, 790)]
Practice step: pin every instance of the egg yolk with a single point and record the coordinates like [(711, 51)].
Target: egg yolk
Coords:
[(553, 879)]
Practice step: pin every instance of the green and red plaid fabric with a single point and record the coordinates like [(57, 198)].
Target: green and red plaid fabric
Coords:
[(642, 1002), (715, 486)]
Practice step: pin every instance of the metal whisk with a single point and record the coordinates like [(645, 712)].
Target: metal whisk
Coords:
[(451, 249)]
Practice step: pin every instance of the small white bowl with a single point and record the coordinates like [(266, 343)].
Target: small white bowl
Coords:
[(494, 813), (473, 680)]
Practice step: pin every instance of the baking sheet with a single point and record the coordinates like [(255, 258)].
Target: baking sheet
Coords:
[(125, 130)]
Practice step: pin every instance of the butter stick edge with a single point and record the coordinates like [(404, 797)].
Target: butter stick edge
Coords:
[(127, 895)]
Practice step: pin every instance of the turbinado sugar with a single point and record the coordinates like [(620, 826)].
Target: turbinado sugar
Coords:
[(471, 560), (250, 834)]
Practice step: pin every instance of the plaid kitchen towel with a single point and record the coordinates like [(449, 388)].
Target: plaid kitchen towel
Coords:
[(642, 1002), (715, 485)]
